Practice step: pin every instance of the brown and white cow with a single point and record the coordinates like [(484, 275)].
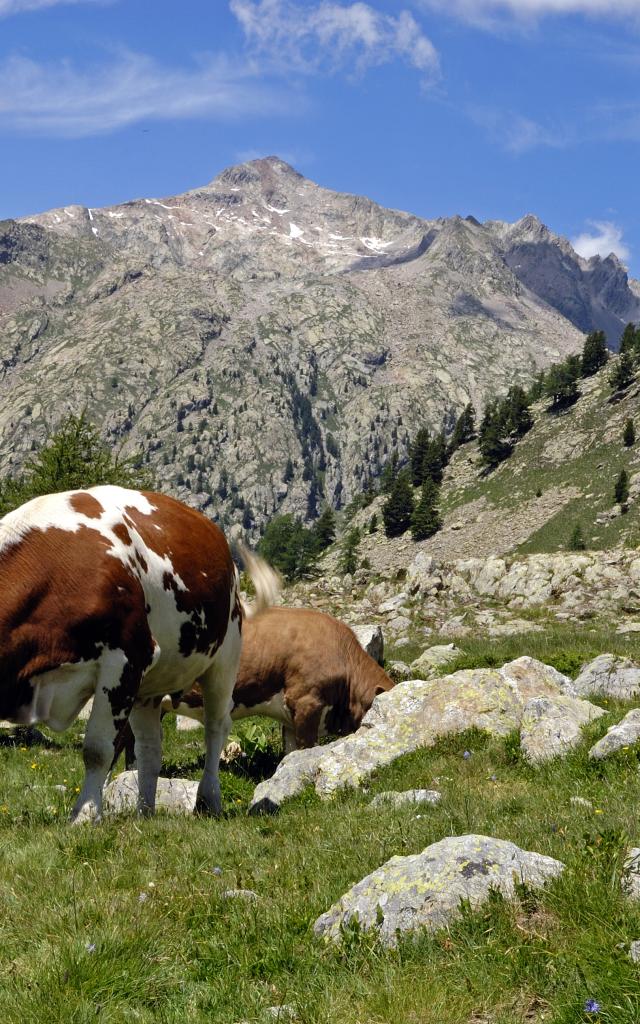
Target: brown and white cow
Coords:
[(303, 668), (123, 596)]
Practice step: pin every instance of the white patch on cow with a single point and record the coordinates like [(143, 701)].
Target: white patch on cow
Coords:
[(275, 707)]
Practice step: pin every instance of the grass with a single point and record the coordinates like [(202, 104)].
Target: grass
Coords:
[(127, 921)]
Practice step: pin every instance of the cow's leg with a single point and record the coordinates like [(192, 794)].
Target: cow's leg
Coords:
[(289, 739), (217, 688), (306, 723), (112, 703), (145, 723)]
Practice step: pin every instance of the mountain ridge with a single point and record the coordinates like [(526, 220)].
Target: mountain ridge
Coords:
[(262, 318)]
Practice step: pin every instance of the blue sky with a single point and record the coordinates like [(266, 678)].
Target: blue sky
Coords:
[(491, 107)]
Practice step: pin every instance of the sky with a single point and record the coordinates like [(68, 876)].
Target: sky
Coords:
[(494, 108)]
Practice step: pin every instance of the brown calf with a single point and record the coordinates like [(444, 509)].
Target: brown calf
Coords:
[(303, 668)]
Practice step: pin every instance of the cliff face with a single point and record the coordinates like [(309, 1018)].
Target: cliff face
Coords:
[(263, 318)]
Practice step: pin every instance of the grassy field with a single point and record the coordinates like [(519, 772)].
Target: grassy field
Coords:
[(127, 921)]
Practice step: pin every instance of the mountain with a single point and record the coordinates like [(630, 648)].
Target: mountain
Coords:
[(262, 319)]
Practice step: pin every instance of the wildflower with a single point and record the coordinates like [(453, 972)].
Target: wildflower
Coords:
[(143, 897), (216, 871), (34, 765), (467, 755), (151, 885), (493, 778), (592, 1006), (598, 810), (77, 789), (90, 947), (4, 809)]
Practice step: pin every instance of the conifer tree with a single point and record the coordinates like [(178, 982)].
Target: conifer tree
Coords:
[(629, 434), (435, 459), (622, 374), (389, 474), (465, 428), (621, 489), (628, 339), (397, 509), (561, 384), (425, 519), (515, 415), (417, 452), (348, 562), (594, 354), (287, 476), (324, 529)]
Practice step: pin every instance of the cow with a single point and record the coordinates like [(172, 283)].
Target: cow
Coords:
[(303, 668), (123, 596)]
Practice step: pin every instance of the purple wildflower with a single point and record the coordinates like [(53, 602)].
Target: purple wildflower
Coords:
[(467, 755), (90, 947), (592, 1006), (216, 871)]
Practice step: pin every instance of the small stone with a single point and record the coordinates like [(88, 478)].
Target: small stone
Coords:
[(432, 660), (625, 733), (634, 951), (631, 874), (407, 796), (285, 1012), (242, 894), (186, 724), (60, 788), (177, 796)]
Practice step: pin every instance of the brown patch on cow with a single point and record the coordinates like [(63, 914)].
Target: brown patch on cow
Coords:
[(194, 546), (86, 505), (122, 533), (65, 599), (142, 562)]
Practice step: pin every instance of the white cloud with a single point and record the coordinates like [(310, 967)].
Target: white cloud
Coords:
[(514, 132), (605, 238), (8, 7), (490, 13), (61, 99), (332, 35)]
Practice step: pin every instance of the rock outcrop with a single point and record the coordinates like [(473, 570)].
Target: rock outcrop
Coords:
[(425, 890)]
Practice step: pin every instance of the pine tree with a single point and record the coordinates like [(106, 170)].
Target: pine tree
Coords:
[(74, 457), (287, 476), (629, 434), (621, 489), (419, 447), (397, 509), (515, 415), (324, 529), (577, 541), (465, 428), (389, 474), (628, 339), (561, 384), (594, 354), (348, 562), (622, 375), (425, 519), (373, 523), (435, 459)]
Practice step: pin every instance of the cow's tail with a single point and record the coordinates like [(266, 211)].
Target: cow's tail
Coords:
[(266, 580)]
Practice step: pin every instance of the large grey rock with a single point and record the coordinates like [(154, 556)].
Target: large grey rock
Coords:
[(423, 576), (425, 890), (433, 660), (609, 676), (177, 796), (399, 671), (552, 725), (413, 714), (631, 874), (407, 796), (370, 637), (624, 734)]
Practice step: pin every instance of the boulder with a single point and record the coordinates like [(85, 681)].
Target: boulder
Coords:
[(609, 676), (433, 659), (423, 576), (552, 725), (370, 637), (624, 734), (425, 890), (185, 724), (413, 714), (177, 796), (631, 874), (407, 796)]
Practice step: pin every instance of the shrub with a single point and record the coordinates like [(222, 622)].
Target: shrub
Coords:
[(425, 519), (577, 541), (621, 489), (629, 434)]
